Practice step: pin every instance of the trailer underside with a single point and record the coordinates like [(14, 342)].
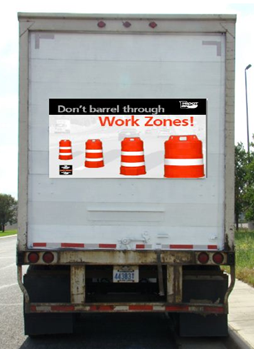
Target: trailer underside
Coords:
[(180, 286)]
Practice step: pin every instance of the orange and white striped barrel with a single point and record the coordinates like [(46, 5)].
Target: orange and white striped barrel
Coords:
[(94, 153), (132, 157), (65, 150), (184, 157)]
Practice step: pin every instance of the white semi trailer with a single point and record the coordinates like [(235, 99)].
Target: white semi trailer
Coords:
[(96, 240)]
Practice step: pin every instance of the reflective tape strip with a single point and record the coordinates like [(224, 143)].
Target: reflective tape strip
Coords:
[(65, 153), (132, 164), (127, 308), (72, 245), (64, 308), (121, 308), (193, 247), (140, 307), (140, 246), (187, 247), (93, 151), (132, 153), (159, 308), (39, 244), (65, 147), (107, 245), (94, 160), (91, 246), (212, 247), (184, 162)]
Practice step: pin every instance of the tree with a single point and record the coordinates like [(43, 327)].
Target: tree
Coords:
[(249, 186), (240, 162), (244, 183), (8, 210)]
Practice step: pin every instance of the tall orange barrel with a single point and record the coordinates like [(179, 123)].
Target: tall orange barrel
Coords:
[(94, 153), (132, 157), (184, 157), (65, 150)]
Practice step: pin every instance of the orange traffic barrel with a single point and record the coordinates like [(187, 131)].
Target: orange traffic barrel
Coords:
[(94, 153), (132, 157), (65, 150), (183, 157)]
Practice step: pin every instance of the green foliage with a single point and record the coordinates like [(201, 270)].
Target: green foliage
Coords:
[(244, 183), (249, 187), (8, 210), (244, 251), (244, 244)]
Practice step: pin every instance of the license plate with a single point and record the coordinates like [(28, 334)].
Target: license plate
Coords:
[(125, 274)]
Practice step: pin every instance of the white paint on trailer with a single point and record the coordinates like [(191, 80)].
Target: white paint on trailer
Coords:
[(194, 209)]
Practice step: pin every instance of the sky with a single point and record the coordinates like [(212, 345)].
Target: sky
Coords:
[(9, 60)]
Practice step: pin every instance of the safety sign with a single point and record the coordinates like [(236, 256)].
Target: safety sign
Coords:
[(127, 138)]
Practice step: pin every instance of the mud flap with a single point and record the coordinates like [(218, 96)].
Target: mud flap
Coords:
[(195, 325), (48, 323), (46, 285)]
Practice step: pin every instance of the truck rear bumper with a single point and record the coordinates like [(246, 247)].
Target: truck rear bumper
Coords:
[(125, 257), (176, 287), (127, 307)]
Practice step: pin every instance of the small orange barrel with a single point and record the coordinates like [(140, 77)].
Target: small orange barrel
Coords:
[(132, 157), (65, 150), (183, 157), (94, 153)]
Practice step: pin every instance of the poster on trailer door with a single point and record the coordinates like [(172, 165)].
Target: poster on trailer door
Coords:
[(127, 138)]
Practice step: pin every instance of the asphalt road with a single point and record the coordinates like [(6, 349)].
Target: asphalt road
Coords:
[(93, 331)]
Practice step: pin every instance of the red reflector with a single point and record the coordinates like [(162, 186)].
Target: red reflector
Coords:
[(140, 307), (218, 258), (212, 247), (140, 246), (214, 309), (184, 247), (48, 257), (39, 244), (33, 257), (62, 308), (105, 308), (107, 245), (177, 308), (72, 245), (203, 258)]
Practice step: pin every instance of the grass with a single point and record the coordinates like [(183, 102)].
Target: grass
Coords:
[(8, 232), (244, 242), (244, 250)]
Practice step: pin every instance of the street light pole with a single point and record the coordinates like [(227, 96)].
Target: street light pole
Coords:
[(247, 116)]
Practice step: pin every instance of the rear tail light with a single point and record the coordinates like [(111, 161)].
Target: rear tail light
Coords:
[(48, 257), (203, 257), (101, 24), (33, 257), (218, 258), (153, 24)]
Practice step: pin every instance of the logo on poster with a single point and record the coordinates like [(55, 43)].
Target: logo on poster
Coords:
[(187, 105), (65, 170)]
